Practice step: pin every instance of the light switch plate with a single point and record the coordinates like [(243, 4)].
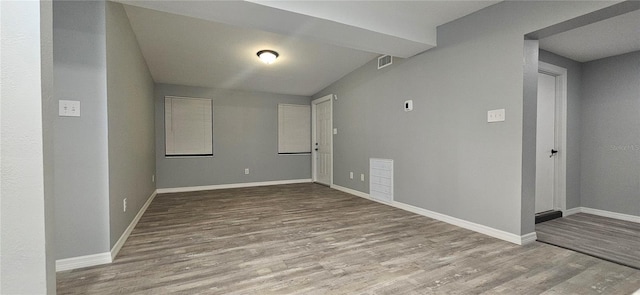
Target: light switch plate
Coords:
[(335, 130), (69, 108), (496, 115)]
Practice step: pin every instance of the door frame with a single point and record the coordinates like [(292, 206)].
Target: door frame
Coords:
[(314, 157), (560, 163)]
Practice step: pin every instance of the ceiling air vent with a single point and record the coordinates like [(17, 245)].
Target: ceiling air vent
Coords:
[(384, 61)]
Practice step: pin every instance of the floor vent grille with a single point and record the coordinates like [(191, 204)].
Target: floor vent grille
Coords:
[(548, 215)]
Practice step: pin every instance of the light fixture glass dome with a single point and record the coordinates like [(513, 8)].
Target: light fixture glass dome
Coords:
[(267, 56)]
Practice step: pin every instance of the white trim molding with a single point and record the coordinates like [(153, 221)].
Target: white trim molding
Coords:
[(125, 235), (231, 185), (614, 215), (560, 140), (571, 211), (483, 229), (603, 213), (314, 158), (528, 238), (354, 192), (106, 257), (83, 261)]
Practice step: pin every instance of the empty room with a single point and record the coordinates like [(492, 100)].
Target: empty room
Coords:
[(320, 147)]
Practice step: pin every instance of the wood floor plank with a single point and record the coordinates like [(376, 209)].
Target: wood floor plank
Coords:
[(310, 239), (606, 238)]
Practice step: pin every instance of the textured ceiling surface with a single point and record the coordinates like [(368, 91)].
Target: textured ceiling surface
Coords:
[(214, 43), (609, 37)]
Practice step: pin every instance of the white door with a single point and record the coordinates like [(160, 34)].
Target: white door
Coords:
[(545, 143), (322, 145)]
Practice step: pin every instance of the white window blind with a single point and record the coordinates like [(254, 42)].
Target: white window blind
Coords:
[(188, 124), (294, 129)]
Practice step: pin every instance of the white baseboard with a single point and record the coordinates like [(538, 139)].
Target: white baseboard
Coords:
[(83, 261), (614, 215), (352, 192), (571, 211), (483, 229), (225, 186), (106, 257), (528, 238), (125, 235)]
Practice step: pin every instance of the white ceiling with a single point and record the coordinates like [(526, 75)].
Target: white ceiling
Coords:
[(213, 43), (410, 20), (188, 51), (609, 37)]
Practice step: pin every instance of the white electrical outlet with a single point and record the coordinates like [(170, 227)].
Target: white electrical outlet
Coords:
[(351, 175), (246, 171), (335, 130), (69, 108), (496, 115), (124, 205), (361, 177), (153, 178)]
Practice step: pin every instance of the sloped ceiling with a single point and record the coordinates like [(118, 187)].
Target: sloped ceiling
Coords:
[(194, 52), (213, 43)]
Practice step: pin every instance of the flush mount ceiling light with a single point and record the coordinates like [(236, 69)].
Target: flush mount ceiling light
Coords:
[(267, 56)]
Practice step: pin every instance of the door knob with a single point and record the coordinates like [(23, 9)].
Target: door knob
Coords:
[(553, 152)]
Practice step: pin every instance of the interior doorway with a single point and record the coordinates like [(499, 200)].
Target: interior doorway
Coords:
[(322, 140), (551, 139), (602, 220)]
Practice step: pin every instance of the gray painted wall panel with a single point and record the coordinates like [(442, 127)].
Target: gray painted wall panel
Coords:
[(574, 94), (529, 133), (448, 159), (131, 122), (245, 136), (610, 149), (80, 146)]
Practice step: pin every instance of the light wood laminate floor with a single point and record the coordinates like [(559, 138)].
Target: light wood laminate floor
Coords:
[(603, 237), (310, 239)]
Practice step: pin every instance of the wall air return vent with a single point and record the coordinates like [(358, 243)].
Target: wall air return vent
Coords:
[(384, 61), (381, 179)]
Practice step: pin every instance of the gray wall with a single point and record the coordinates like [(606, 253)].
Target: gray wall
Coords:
[(131, 120), (572, 151), (610, 147), (245, 135), (448, 159), (529, 126), (80, 145), (26, 263)]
